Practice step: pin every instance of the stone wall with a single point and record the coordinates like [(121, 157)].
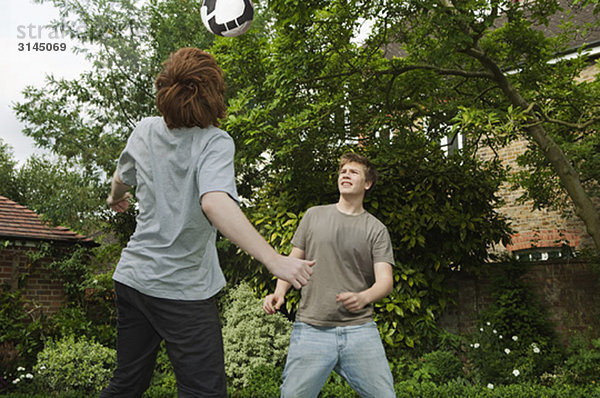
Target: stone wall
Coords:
[(568, 290)]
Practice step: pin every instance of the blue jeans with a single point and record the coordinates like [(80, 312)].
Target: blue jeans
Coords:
[(354, 352)]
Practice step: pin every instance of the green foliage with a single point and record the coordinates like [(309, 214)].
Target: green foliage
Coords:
[(8, 184), (441, 216), (514, 340), (460, 389), (163, 378), (73, 271), (90, 309), (72, 364), (442, 366), (20, 333), (250, 337), (336, 386), (582, 366), (264, 381)]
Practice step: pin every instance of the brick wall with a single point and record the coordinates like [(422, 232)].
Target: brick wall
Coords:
[(42, 293), (537, 228), (534, 228), (569, 291)]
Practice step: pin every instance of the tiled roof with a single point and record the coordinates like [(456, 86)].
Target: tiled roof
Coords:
[(18, 222)]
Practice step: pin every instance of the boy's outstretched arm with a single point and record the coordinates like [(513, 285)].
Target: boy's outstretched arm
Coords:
[(274, 301), (226, 215)]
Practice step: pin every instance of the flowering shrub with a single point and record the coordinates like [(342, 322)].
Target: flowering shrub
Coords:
[(250, 337), (495, 358), (514, 342)]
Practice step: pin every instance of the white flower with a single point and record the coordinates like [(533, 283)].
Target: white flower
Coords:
[(476, 345), (536, 350), (20, 369), (490, 386), (500, 336), (42, 367), (487, 323), (515, 338), (507, 351), (29, 376), (15, 381), (516, 372), (481, 329), (494, 331)]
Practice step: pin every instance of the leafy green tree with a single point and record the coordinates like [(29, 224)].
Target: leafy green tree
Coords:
[(301, 92), (490, 65), (8, 171)]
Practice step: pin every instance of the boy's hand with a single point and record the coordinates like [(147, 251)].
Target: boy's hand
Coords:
[(291, 269), (273, 303), (353, 302), (120, 205)]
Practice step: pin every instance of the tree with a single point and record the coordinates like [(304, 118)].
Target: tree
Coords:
[(61, 194), (301, 91), (491, 57), (8, 167)]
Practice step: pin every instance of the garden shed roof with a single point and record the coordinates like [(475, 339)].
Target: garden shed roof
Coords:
[(19, 223)]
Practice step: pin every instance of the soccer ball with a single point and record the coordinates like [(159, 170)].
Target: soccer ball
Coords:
[(227, 17)]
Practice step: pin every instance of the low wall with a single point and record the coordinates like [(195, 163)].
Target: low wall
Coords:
[(568, 290)]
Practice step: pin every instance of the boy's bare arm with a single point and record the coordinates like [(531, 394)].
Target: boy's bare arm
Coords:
[(226, 215), (119, 194), (273, 302)]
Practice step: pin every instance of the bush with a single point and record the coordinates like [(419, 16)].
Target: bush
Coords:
[(75, 365), (264, 382), (583, 365), (459, 389), (514, 342), (250, 337), (337, 387), (442, 366), (20, 335), (163, 378)]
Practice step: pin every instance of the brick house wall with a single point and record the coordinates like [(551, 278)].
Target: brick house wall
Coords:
[(23, 266), (37, 284), (537, 228)]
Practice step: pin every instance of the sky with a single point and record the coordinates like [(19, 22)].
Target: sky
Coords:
[(22, 23)]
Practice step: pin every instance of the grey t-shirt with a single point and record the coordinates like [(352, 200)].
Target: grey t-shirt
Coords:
[(345, 248), (172, 253)]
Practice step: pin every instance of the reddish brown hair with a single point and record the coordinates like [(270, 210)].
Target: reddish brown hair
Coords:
[(190, 89), (370, 171)]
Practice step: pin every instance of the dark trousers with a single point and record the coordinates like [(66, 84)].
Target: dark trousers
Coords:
[(192, 334)]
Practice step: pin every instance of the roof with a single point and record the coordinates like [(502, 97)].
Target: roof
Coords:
[(19, 223)]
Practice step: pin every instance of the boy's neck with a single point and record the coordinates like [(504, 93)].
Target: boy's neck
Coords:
[(350, 205)]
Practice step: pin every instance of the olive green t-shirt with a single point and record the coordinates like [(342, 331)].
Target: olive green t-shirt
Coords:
[(345, 248)]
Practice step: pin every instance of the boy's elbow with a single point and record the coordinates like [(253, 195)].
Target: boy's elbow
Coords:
[(214, 203), (209, 204)]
